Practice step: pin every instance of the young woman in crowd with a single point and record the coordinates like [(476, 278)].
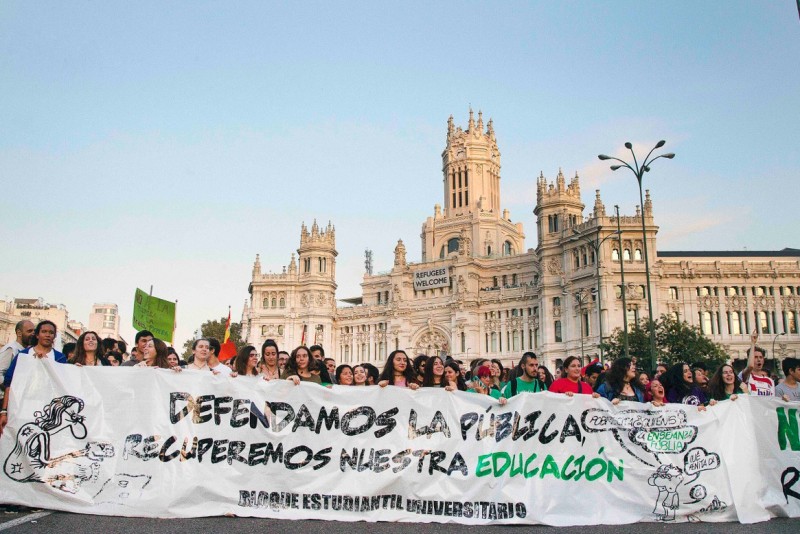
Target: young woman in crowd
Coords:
[(434, 373), (644, 380), (398, 372), (359, 375), (114, 359), (419, 367), (656, 393), (89, 350), (301, 367), (725, 385), (572, 383), (680, 386), (172, 359), (344, 375), (497, 374), (373, 375), (154, 354), (269, 366), (246, 362), (622, 383), (545, 377), (482, 382), (453, 378)]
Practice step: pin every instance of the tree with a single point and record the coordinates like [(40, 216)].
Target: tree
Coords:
[(676, 341), (216, 329)]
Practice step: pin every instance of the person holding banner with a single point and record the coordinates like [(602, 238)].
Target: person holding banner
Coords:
[(621, 383), (525, 377), (433, 376), (142, 337), (200, 353), (680, 386), (89, 351), (482, 383), (398, 372), (373, 375), (344, 375), (246, 362), (453, 378), (301, 367), (725, 385), (359, 376), (657, 394), (573, 382), (283, 357), (269, 364), (154, 354), (44, 336)]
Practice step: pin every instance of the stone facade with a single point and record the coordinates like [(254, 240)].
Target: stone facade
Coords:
[(503, 299)]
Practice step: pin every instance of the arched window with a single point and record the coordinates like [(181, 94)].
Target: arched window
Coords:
[(452, 245), (637, 254), (626, 254), (508, 250), (265, 304), (264, 330), (274, 302), (280, 330), (615, 254), (583, 255), (591, 256), (489, 250), (556, 301), (282, 302), (441, 252), (576, 259)]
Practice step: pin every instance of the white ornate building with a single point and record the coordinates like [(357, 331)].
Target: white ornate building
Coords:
[(502, 298)]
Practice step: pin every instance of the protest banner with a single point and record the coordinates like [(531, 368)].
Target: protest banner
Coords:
[(156, 443), (153, 314)]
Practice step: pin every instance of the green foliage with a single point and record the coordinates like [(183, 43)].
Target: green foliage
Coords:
[(216, 329), (676, 341)]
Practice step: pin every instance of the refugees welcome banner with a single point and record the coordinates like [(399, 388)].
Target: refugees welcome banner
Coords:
[(155, 443)]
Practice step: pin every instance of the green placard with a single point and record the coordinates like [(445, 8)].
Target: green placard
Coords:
[(154, 314)]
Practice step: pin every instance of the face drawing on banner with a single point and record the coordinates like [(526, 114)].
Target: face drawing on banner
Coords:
[(31, 460)]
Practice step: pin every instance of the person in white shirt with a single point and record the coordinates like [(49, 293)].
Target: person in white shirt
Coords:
[(217, 367), (24, 331), (754, 375)]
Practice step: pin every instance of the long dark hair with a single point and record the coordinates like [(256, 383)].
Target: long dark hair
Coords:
[(673, 380), (291, 363), (240, 363), (388, 370), (340, 370), (716, 387), (161, 354), (615, 377), (460, 383), (548, 377), (51, 415), (372, 372), (80, 351), (566, 363), (428, 380), (418, 361)]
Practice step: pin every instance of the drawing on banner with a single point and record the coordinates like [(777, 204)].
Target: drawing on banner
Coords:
[(31, 459), (667, 479), (122, 488), (654, 432)]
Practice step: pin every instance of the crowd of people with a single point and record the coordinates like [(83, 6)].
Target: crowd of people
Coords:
[(621, 380)]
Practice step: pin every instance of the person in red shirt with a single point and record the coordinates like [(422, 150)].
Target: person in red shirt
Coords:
[(573, 382)]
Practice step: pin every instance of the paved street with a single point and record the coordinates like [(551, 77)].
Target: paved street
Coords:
[(62, 522)]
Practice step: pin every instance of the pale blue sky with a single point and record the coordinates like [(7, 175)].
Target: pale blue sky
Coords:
[(167, 144)]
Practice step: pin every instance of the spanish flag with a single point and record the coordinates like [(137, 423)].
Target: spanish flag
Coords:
[(228, 349)]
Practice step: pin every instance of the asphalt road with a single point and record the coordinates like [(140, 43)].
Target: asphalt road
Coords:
[(39, 522)]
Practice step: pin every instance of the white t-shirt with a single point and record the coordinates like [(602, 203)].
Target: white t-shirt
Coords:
[(222, 369), (760, 385)]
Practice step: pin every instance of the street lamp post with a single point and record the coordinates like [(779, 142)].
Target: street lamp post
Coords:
[(596, 243), (773, 348), (639, 171), (622, 290)]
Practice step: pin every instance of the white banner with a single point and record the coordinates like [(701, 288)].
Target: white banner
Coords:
[(154, 443), (431, 278)]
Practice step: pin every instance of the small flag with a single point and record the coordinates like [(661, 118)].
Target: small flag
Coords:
[(305, 327), (228, 348)]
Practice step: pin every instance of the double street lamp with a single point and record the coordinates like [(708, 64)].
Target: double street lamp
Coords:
[(639, 171)]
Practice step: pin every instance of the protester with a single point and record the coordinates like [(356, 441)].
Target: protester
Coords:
[(592, 374), (114, 359), (24, 331), (700, 376), (68, 350), (545, 377), (214, 363), (88, 350), (270, 362), (661, 368), (359, 376), (497, 374), (318, 354), (301, 367), (44, 335), (154, 354), (344, 375), (680, 387), (622, 383), (246, 361), (419, 364), (788, 390), (200, 353), (172, 358), (434, 373), (754, 375), (725, 385), (110, 344), (373, 375), (525, 378), (453, 377), (657, 395), (482, 384), (330, 366), (122, 348), (572, 383), (398, 371), (142, 337), (283, 357)]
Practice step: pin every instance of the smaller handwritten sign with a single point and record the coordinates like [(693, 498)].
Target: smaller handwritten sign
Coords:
[(154, 314)]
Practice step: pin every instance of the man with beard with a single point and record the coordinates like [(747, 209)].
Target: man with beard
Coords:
[(526, 377), (24, 331)]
